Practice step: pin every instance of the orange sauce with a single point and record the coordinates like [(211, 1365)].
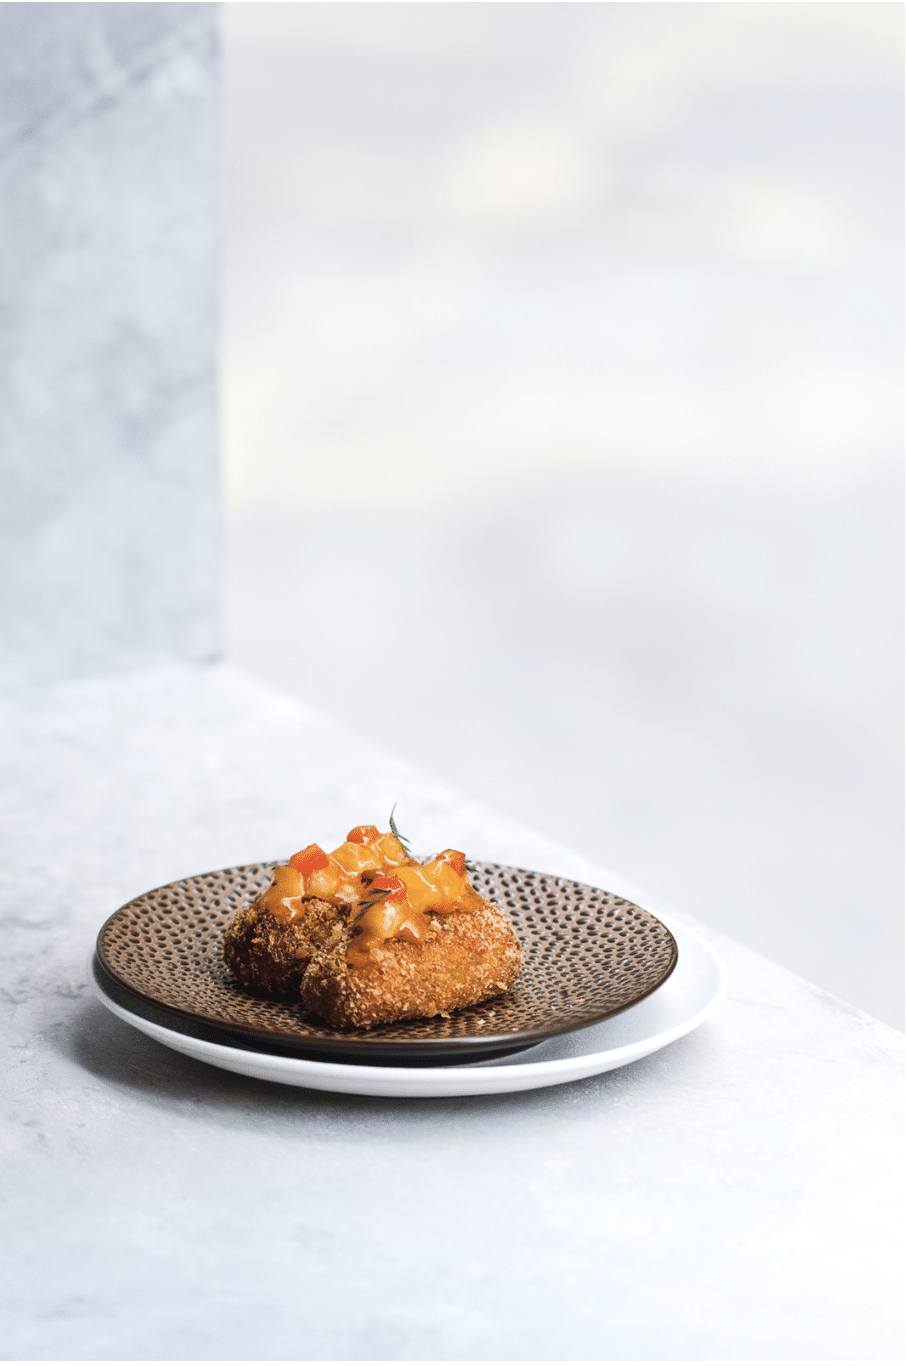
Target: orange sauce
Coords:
[(283, 897), (401, 895), (438, 887)]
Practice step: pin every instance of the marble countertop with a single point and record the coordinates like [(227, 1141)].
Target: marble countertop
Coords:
[(734, 1196)]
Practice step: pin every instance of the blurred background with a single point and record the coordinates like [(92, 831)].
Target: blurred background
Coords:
[(561, 406)]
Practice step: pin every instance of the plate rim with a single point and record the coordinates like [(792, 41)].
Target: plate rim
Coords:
[(467, 1078), (375, 1045)]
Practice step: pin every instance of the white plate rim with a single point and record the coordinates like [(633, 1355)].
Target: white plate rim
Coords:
[(465, 1079)]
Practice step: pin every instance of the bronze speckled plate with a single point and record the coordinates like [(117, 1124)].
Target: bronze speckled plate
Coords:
[(586, 955)]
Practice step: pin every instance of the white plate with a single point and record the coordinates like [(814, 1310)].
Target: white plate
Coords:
[(687, 998)]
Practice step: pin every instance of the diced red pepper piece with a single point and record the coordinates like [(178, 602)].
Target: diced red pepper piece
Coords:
[(362, 834), (309, 860), (388, 882)]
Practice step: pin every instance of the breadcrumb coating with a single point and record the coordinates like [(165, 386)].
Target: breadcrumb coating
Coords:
[(269, 957), (467, 957)]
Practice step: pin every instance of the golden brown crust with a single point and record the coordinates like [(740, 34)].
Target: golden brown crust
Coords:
[(468, 957), (268, 956)]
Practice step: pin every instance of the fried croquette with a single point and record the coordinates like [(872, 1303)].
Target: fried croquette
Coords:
[(367, 935), (465, 958), (269, 956)]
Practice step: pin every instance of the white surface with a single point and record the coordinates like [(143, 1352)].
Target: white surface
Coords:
[(578, 327), (691, 994), (470, 245), (734, 1196)]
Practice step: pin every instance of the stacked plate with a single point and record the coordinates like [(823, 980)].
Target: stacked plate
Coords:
[(603, 984)]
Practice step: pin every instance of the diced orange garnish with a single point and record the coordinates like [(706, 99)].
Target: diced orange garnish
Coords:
[(307, 861), (362, 834), (358, 858), (390, 850), (455, 858)]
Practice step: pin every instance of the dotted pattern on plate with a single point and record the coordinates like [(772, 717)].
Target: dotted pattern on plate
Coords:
[(586, 955)]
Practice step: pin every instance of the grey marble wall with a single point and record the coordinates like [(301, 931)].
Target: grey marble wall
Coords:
[(108, 281)]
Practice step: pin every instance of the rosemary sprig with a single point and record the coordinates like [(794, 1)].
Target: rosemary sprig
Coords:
[(402, 838), (367, 905)]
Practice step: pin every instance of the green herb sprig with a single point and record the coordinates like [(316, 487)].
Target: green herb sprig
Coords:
[(367, 905), (402, 838)]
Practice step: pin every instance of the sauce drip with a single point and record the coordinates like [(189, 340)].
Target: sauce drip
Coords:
[(283, 897)]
